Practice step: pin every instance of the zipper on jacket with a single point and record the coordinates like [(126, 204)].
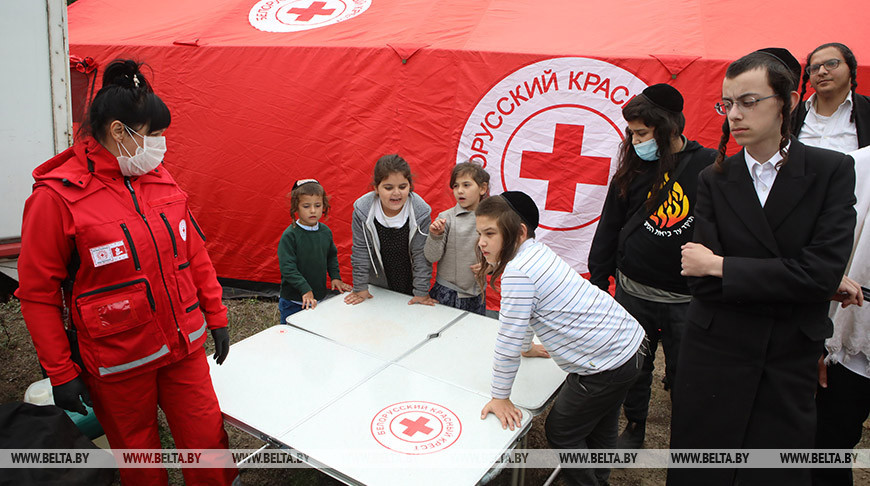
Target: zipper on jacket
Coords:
[(156, 252), (196, 226), (132, 246), (171, 235), (109, 288)]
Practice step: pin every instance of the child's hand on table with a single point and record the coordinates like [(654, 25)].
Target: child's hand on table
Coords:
[(308, 300), (422, 299), (354, 298), (341, 286), (509, 415)]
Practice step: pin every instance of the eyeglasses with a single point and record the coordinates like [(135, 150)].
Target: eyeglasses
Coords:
[(830, 65), (743, 104)]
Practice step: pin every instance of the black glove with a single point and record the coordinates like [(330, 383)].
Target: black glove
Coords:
[(66, 396), (221, 338)]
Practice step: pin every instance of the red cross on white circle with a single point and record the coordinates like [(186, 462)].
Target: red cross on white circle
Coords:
[(308, 13), (414, 426), (565, 167)]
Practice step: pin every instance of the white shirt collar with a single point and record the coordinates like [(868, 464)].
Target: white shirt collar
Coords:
[(763, 174), (777, 156), (308, 228), (811, 106)]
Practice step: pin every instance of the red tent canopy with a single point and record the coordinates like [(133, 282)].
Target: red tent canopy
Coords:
[(532, 89)]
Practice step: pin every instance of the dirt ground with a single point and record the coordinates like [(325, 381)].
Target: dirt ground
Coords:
[(247, 317)]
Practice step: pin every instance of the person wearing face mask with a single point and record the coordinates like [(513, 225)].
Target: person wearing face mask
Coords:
[(647, 217), (116, 287)]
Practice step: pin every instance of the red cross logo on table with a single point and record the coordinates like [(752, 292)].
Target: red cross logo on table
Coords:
[(308, 13), (415, 426), (565, 167)]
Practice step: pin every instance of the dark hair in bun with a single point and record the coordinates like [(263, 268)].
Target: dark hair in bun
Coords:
[(126, 95)]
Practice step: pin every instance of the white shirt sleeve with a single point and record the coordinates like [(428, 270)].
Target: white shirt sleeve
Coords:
[(514, 333)]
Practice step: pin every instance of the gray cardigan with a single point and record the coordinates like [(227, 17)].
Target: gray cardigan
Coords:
[(366, 251), (454, 250)]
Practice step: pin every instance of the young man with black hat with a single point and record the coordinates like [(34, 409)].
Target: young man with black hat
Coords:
[(647, 217), (774, 226)]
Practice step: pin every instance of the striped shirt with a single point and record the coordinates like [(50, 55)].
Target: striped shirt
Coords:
[(581, 326)]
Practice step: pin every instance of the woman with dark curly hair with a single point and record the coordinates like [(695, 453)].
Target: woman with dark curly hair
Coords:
[(647, 217)]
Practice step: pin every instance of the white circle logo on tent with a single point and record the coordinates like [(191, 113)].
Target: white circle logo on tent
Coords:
[(552, 129), (298, 15), (416, 427)]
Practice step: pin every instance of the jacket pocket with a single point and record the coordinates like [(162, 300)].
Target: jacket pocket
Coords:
[(133, 251), (171, 235), (186, 286), (116, 308), (190, 321), (172, 211), (120, 329)]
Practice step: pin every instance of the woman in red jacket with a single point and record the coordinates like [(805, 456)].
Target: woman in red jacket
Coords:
[(111, 255)]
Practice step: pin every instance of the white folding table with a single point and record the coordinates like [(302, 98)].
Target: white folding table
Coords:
[(416, 428), (381, 377), (277, 378), (462, 355), (385, 325)]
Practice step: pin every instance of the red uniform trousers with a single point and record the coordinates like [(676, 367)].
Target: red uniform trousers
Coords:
[(127, 410)]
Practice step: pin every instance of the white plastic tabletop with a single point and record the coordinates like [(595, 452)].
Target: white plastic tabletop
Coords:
[(463, 355), (410, 428), (385, 325), (276, 378)]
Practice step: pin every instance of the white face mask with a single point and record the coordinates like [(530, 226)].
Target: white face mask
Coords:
[(148, 156)]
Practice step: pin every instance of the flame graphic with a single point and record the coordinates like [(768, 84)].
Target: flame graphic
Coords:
[(672, 211)]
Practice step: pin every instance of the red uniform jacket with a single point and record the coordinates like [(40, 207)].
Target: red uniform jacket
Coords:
[(142, 278)]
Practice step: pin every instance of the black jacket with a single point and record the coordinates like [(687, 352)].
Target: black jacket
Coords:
[(861, 107), (650, 253), (750, 350)]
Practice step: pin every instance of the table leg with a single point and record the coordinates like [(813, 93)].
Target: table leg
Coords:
[(553, 475), (524, 444), (239, 464)]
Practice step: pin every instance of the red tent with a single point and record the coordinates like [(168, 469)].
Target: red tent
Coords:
[(264, 92)]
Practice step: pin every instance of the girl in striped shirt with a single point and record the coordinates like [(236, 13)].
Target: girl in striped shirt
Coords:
[(581, 327)]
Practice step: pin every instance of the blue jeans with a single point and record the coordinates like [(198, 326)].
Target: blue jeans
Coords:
[(286, 308), (450, 297)]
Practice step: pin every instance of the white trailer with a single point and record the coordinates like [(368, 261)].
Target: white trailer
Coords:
[(35, 120)]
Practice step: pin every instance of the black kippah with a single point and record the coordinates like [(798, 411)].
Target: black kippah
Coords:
[(665, 97), (786, 58), (523, 205)]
